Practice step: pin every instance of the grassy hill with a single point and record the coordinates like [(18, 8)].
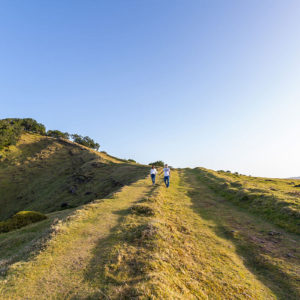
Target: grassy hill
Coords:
[(110, 234), (48, 174), (276, 200)]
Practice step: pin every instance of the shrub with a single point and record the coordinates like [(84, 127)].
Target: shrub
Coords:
[(10, 132), (12, 128), (21, 219), (158, 163), (33, 126), (58, 134), (85, 141), (131, 160)]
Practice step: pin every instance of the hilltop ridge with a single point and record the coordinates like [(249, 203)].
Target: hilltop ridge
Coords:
[(48, 174), (105, 232)]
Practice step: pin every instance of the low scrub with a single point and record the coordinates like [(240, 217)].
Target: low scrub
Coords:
[(21, 219), (158, 163)]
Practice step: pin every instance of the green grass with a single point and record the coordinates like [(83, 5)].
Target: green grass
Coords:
[(211, 235), (277, 200), (21, 219), (268, 251), (68, 266), (23, 244), (46, 175)]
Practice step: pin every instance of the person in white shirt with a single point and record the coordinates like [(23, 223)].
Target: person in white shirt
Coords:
[(167, 175), (153, 173)]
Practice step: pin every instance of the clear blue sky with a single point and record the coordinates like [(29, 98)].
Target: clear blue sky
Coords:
[(194, 83)]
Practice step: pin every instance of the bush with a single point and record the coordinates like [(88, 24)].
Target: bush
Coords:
[(85, 141), (131, 160), (158, 163), (12, 128), (21, 219), (58, 134), (33, 126), (10, 132)]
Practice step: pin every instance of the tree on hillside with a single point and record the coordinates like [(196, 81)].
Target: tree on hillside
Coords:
[(85, 141), (58, 134), (33, 126), (9, 133), (12, 128), (158, 163)]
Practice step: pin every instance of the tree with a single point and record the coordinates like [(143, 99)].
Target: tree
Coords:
[(85, 141), (12, 128), (9, 132), (33, 126), (58, 134), (158, 163)]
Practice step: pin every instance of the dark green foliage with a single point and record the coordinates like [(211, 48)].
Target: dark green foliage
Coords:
[(33, 126), (21, 219), (11, 130), (85, 141), (58, 134), (158, 163), (131, 160)]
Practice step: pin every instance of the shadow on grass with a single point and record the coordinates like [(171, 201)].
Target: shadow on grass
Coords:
[(43, 184), (63, 177), (283, 285), (113, 256), (263, 202), (24, 243)]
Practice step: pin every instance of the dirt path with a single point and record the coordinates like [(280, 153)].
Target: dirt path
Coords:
[(59, 272), (270, 253)]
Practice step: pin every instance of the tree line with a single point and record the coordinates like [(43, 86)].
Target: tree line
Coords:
[(12, 128)]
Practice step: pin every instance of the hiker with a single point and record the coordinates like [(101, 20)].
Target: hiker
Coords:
[(153, 173), (167, 175)]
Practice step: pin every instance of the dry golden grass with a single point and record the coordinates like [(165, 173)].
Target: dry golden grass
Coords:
[(277, 200), (145, 242), (66, 267), (46, 175)]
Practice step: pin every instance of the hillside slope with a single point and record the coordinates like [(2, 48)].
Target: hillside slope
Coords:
[(277, 200), (110, 234), (144, 242), (48, 174)]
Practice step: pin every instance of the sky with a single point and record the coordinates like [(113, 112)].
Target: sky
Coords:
[(203, 83)]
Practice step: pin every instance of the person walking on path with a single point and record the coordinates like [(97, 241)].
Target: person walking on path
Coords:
[(167, 175), (153, 173)]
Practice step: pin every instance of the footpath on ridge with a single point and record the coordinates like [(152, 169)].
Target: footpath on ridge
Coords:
[(150, 242)]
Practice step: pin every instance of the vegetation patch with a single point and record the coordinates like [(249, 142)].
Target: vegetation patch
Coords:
[(274, 199), (158, 163), (21, 219), (142, 209), (45, 174), (12, 128)]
